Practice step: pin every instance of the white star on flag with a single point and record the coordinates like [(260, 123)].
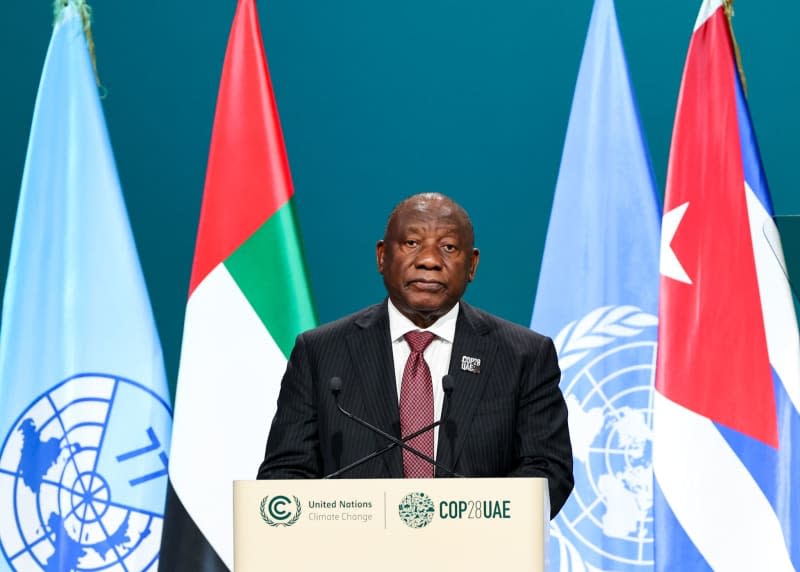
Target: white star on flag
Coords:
[(670, 266)]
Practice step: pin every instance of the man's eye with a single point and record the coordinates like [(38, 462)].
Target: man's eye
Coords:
[(411, 242), (449, 247)]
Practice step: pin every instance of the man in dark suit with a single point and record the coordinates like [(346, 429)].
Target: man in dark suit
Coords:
[(505, 414)]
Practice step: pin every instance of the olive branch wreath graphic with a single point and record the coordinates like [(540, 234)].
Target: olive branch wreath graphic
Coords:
[(266, 518), (599, 328)]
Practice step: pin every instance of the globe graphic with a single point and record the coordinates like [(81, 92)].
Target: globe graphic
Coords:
[(610, 401), (76, 475)]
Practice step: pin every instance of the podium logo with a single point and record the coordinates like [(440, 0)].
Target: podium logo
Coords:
[(280, 510), (416, 510)]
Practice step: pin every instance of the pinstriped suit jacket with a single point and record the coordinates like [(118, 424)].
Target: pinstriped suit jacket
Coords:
[(509, 419)]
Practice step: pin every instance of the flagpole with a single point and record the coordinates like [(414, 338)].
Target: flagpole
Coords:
[(85, 12), (729, 14)]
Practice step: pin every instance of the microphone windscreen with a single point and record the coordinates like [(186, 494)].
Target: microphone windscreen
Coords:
[(448, 383), (335, 384)]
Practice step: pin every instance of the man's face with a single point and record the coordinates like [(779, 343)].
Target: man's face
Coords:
[(426, 259)]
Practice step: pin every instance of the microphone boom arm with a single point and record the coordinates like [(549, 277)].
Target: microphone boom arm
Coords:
[(336, 387), (394, 440), (386, 449)]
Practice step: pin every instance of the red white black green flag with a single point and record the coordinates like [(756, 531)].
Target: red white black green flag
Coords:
[(249, 297)]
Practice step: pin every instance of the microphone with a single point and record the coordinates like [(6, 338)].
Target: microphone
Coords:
[(447, 385), (447, 424), (335, 384)]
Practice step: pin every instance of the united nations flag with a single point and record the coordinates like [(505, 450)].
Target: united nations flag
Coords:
[(84, 410), (597, 297)]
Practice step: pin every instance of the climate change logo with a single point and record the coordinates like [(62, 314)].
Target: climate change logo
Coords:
[(79, 475), (416, 510), (280, 510)]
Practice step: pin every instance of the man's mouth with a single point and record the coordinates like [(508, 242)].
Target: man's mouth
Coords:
[(425, 285)]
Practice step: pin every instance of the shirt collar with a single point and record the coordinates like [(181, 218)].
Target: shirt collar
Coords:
[(444, 327)]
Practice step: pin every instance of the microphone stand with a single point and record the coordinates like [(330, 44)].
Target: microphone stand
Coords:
[(336, 387), (386, 449)]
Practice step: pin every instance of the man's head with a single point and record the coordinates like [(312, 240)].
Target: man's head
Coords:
[(427, 256)]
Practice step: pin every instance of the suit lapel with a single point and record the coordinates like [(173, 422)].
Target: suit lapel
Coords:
[(370, 350), (471, 341)]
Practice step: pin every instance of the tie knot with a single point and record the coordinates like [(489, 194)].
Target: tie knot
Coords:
[(419, 340)]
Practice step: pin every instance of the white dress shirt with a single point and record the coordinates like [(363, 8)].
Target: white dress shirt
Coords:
[(437, 354)]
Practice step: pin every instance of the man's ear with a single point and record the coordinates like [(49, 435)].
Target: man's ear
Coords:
[(473, 263), (379, 251)]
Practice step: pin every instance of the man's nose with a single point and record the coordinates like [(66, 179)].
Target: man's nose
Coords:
[(429, 257)]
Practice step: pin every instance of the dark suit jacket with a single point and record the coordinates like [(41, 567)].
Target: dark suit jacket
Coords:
[(509, 419)]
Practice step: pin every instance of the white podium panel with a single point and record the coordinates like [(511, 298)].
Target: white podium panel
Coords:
[(391, 524)]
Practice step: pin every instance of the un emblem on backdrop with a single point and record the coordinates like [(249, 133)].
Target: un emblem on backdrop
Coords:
[(416, 510), (77, 475), (608, 362)]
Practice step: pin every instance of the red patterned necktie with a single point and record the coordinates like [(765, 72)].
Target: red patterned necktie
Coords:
[(416, 406)]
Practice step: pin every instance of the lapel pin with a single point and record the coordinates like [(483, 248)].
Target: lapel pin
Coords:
[(470, 364)]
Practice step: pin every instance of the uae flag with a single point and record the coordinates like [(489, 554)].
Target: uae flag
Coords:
[(249, 297)]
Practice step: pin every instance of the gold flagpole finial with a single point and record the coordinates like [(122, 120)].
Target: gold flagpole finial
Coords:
[(728, 4), (86, 18)]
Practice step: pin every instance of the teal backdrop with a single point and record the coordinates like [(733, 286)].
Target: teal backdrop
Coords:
[(379, 100)]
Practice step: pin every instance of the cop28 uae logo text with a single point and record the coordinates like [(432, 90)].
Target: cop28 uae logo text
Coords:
[(280, 510)]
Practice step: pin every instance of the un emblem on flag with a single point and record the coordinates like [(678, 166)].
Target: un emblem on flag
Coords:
[(608, 362), (82, 478)]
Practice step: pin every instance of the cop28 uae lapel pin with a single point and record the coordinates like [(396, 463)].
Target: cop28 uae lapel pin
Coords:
[(470, 364)]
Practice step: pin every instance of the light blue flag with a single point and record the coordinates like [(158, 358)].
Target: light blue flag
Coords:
[(598, 298), (84, 409)]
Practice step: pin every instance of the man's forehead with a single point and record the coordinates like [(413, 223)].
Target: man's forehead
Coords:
[(429, 211), (440, 224), (413, 220), (426, 211)]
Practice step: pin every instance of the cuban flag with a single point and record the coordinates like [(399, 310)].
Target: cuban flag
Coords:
[(598, 298), (728, 366)]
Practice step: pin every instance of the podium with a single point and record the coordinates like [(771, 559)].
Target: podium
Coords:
[(391, 524)]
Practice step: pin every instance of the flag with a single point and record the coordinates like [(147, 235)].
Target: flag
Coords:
[(84, 409), (249, 297), (597, 295), (728, 369)]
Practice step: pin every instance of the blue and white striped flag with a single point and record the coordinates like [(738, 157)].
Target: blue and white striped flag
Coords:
[(84, 409), (598, 296)]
